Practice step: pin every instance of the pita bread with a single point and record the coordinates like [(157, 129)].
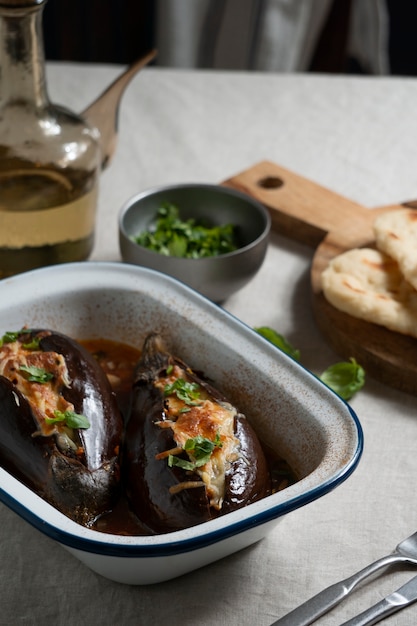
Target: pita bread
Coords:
[(396, 235), (369, 285)]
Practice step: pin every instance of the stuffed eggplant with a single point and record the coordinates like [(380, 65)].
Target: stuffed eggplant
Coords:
[(190, 456), (60, 427)]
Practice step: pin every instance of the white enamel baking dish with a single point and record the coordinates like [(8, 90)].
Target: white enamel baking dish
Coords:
[(300, 417)]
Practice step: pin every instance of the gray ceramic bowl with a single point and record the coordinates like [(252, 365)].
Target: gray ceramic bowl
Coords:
[(215, 277)]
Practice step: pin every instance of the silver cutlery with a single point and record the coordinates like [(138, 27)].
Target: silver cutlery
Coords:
[(318, 605), (405, 595)]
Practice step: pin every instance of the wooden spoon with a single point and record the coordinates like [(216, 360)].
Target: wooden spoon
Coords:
[(311, 214)]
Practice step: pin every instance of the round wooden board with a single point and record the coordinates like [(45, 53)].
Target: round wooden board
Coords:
[(330, 223)]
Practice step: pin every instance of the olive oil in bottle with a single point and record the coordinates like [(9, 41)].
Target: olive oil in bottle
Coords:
[(49, 157)]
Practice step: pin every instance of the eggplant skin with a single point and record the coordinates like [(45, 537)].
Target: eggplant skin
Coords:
[(148, 480), (91, 394), (21, 454), (80, 486), (151, 484)]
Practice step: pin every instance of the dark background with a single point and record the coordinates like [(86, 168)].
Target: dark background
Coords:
[(105, 31), (120, 31)]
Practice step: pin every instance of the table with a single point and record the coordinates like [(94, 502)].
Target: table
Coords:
[(355, 135)]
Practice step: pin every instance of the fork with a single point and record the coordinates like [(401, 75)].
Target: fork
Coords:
[(321, 603)]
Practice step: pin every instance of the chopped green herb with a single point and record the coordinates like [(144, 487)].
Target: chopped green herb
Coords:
[(199, 450), (36, 374), (71, 419), (13, 335), (33, 344), (345, 378), (185, 391), (169, 369), (172, 236), (175, 461), (279, 341)]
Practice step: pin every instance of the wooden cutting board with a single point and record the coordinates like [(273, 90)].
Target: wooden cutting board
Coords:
[(311, 214)]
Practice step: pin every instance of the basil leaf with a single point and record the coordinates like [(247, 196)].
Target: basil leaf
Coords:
[(36, 374), (278, 340), (345, 378)]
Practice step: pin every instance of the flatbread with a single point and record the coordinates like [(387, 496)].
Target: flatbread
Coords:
[(369, 285), (396, 235)]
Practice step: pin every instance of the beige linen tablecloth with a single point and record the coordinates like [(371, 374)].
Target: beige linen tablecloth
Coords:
[(357, 136)]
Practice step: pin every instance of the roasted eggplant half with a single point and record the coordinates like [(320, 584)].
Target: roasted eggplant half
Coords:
[(60, 426), (190, 455)]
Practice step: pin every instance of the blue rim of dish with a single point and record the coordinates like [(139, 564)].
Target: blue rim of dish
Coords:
[(171, 548)]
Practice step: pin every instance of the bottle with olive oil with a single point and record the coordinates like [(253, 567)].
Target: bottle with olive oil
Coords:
[(49, 157)]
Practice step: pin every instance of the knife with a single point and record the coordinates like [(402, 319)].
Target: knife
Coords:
[(405, 595)]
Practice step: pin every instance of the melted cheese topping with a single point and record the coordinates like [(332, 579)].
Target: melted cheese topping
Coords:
[(44, 398), (208, 419)]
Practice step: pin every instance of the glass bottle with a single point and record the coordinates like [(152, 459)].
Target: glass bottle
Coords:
[(49, 157)]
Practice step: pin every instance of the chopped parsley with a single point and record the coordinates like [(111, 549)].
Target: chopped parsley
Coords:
[(35, 374), (71, 419), (33, 344), (11, 336), (173, 236), (199, 450), (185, 391)]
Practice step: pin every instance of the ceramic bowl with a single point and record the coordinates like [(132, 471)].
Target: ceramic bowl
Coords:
[(216, 277), (299, 417)]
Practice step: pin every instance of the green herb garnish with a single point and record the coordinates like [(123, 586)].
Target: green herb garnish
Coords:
[(36, 374), (13, 335), (174, 461), (71, 419), (345, 378), (199, 450), (10, 336), (184, 390), (173, 236), (33, 344), (279, 341)]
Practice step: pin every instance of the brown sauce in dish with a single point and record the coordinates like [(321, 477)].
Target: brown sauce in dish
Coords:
[(118, 361)]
